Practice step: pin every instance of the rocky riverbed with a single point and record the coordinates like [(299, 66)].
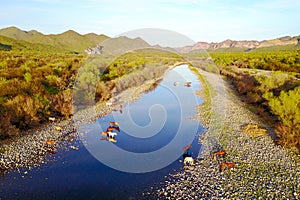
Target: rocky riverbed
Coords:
[(263, 169), (31, 150)]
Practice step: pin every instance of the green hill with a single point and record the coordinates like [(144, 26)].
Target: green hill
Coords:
[(69, 40), (15, 33), (95, 38), (7, 44), (123, 44)]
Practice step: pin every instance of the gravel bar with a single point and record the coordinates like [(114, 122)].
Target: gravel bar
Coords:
[(263, 169)]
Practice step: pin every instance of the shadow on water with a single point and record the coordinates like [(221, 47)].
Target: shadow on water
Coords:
[(157, 122)]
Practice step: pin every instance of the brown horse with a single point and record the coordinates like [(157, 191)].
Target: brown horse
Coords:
[(114, 124), (121, 108), (112, 128), (226, 164), (219, 153), (50, 142), (58, 128), (188, 84), (187, 147)]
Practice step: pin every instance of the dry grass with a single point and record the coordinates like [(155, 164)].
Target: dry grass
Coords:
[(254, 130)]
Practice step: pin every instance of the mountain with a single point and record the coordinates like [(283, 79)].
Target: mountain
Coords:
[(123, 44), (69, 40), (95, 38), (240, 45), (287, 40), (72, 41), (7, 44), (14, 32)]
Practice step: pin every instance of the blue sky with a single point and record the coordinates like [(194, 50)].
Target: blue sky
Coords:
[(200, 20)]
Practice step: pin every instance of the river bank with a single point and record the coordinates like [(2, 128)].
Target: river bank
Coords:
[(29, 151), (263, 169)]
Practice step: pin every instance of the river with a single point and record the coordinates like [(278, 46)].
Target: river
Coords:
[(153, 132)]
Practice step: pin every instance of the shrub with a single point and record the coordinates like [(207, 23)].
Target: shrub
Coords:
[(287, 107), (62, 103), (26, 111)]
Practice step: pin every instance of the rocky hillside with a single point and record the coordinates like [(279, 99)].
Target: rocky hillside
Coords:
[(242, 44)]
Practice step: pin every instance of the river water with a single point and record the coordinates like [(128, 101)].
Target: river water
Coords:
[(153, 132)]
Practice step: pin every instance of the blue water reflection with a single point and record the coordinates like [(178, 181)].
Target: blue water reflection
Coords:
[(78, 175), (165, 114)]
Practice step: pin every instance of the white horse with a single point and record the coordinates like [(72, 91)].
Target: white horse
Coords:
[(188, 160), (111, 134), (52, 119)]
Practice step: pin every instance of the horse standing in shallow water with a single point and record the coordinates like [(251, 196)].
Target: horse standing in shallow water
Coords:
[(112, 128), (188, 84), (109, 134), (188, 160), (114, 124)]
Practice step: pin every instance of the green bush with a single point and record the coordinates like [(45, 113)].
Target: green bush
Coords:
[(28, 81), (287, 61), (287, 107), (274, 95)]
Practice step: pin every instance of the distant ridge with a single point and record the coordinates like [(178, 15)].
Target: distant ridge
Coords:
[(74, 42), (8, 44), (122, 44), (241, 45), (69, 40)]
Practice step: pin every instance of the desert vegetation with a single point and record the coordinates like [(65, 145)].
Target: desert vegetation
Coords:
[(102, 78), (33, 87), (37, 85), (286, 61), (269, 82)]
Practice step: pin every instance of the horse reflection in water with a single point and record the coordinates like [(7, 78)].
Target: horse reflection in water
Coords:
[(176, 83), (120, 108)]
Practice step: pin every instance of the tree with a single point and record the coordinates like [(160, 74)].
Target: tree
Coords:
[(86, 86)]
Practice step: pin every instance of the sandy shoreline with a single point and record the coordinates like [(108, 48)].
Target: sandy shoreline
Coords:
[(263, 171)]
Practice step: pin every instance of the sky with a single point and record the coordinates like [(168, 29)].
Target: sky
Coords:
[(199, 20)]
